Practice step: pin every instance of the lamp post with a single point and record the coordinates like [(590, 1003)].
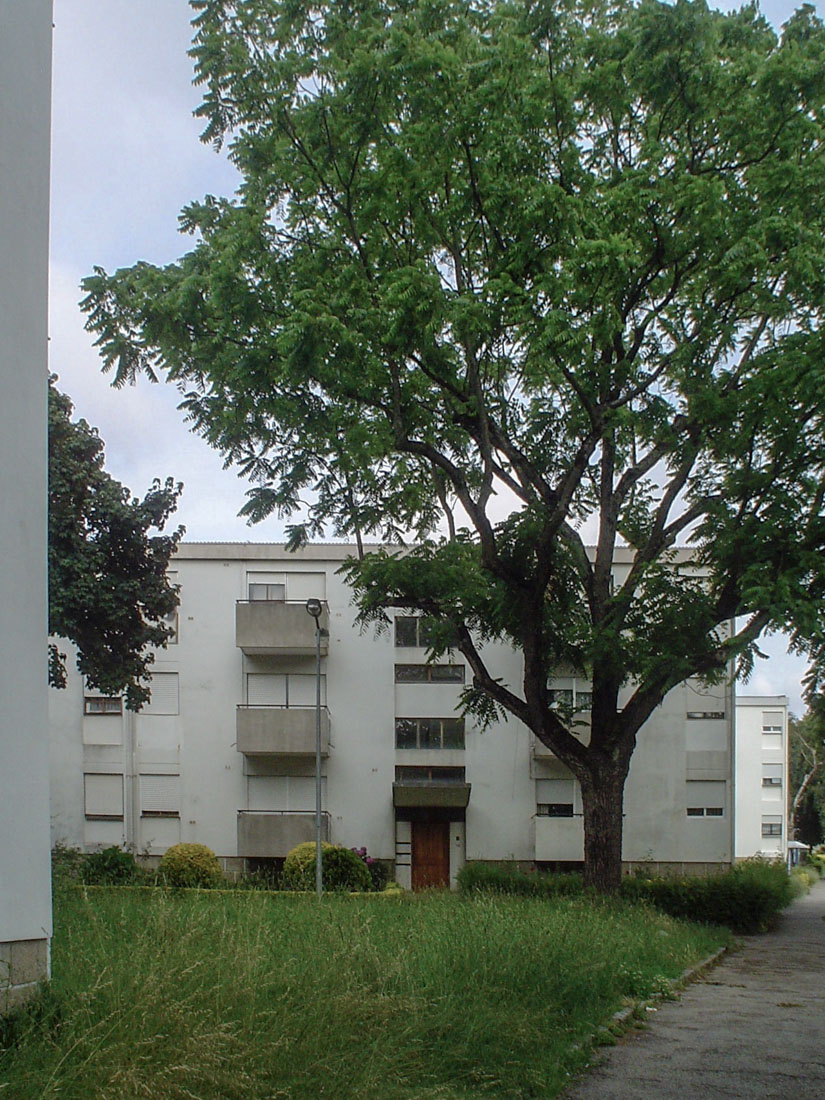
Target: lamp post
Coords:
[(314, 609)]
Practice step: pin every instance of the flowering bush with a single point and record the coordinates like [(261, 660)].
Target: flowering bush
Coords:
[(379, 871)]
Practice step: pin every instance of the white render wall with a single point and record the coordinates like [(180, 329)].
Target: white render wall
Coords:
[(680, 762), (759, 752), (25, 899)]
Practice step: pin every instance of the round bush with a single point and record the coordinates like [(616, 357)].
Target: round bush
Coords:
[(342, 869), (190, 865), (300, 857)]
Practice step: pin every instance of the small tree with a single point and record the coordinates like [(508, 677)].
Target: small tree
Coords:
[(108, 588), (534, 272)]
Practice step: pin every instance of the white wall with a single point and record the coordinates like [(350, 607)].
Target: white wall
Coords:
[(25, 67)]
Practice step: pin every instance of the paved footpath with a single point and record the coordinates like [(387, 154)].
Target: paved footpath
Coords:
[(751, 1027)]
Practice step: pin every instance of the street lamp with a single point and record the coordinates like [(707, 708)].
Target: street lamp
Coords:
[(314, 608)]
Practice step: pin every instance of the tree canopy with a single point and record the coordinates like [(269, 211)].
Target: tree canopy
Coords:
[(109, 592), (807, 774), (508, 278)]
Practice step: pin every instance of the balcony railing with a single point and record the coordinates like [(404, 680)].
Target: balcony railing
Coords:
[(273, 833), (276, 627), (280, 730)]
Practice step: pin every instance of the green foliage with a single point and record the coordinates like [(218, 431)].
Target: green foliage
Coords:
[(746, 899), (565, 262), (505, 878), (807, 772), (190, 865), (109, 867), (67, 864), (239, 995), (108, 589), (341, 869)]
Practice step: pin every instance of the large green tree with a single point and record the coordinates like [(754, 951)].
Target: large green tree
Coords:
[(505, 278), (807, 773), (109, 592)]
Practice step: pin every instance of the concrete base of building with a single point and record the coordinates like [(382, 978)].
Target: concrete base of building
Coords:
[(24, 964)]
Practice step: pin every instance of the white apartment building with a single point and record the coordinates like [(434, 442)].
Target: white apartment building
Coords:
[(25, 899), (224, 754), (762, 776)]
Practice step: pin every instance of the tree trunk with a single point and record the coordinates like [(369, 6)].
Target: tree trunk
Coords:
[(603, 801)]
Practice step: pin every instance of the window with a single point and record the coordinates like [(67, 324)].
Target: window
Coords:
[(426, 775), (429, 733), (429, 674), (103, 704), (274, 591), (554, 797), (705, 811), (571, 697), (415, 632), (699, 715), (172, 622), (160, 796), (103, 796), (772, 825), (554, 809), (771, 775), (772, 722)]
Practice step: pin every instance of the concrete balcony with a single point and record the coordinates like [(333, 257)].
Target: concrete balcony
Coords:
[(280, 731), (273, 833), (277, 628), (560, 838)]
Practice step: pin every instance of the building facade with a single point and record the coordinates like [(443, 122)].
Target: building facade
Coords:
[(224, 754), (25, 900), (762, 776)]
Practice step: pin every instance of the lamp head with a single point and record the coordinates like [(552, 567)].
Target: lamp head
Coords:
[(314, 608)]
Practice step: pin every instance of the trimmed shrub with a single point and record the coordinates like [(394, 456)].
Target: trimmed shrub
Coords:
[(190, 865), (342, 869), (295, 874), (748, 898), (505, 878), (109, 867)]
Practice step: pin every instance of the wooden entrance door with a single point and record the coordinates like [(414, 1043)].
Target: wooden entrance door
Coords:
[(430, 854)]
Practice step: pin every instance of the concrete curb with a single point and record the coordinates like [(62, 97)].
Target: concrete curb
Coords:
[(624, 1019)]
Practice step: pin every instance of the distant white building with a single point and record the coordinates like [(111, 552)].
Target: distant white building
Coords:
[(25, 899), (224, 754), (761, 776)]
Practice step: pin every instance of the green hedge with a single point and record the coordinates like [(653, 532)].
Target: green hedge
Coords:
[(747, 898), (505, 878)]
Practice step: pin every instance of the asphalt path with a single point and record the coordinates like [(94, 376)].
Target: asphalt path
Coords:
[(752, 1026)]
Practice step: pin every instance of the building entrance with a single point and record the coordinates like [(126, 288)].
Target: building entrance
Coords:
[(430, 854)]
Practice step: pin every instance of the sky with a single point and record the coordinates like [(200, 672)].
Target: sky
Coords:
[(126, 158)]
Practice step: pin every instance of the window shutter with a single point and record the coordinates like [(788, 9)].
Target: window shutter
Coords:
[(265, 689), (103, 795), (165, 694), (160, 794)]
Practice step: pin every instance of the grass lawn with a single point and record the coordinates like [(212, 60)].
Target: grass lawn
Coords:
[(256, 996)]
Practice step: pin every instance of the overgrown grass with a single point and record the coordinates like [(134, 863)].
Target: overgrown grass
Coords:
[(246, 996)]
